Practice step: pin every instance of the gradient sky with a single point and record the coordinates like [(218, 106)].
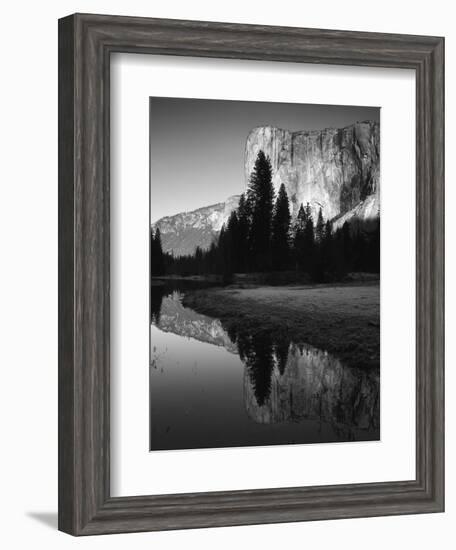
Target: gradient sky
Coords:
[(197, 145)]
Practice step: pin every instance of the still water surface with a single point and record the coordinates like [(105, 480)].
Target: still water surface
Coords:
[(212, 388)]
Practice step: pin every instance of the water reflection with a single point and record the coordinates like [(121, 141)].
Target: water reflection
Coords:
[(257, 353), (161, 288), (171, 316), (291, 392), (315, 385)]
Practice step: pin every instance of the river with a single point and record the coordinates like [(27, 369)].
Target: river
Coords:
[(213, 388)]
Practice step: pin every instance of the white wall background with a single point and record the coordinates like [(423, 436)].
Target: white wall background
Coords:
[(28, 255)]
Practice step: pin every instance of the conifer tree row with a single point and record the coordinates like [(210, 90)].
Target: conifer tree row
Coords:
[(260, 236), (157, 258)]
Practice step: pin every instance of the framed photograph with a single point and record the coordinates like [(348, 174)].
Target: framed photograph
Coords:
[(251, 264), (274, 292)]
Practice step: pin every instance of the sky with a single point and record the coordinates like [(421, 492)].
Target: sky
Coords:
[(197, 145)]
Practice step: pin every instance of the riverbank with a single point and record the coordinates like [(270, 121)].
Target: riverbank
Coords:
[(274, 278), (342, 319)]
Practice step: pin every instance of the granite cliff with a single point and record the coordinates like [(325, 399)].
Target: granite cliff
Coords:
[(335, 169)]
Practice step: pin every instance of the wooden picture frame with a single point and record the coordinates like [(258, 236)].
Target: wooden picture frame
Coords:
[(85, 45)]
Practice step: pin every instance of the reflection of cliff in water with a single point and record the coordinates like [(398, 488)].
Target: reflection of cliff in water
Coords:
[(316, 386), (283, 381), (176, 318)]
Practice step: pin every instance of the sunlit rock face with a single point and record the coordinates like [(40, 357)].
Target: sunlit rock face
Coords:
[(335, 169), (366, 212), (316, 386)]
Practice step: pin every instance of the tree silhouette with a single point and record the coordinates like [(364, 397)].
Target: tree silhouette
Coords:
[(347, 248), (318, 273), (199, 260), (309, 241), (298, 240), (280, 243), (326, 252), (243, 234), (260, 198), (320, 227), (232, 232), (223, 259), (256, 351), (260, 351), (260, 236), (281, 347), (157, 292), (157, 263)]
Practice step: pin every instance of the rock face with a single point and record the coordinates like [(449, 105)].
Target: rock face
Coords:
[(367, 211), (316, 386), (336, 169), (183, 232)]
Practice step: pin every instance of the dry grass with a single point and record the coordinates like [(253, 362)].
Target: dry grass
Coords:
[(343, 320)]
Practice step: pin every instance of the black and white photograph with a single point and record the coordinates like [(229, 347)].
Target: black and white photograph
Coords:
[(224, 256), (265, 273)]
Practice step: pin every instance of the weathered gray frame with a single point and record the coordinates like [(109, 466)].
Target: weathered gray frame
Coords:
[(85, 45)]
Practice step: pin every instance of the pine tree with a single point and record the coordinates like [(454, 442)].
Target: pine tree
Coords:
[(212, 258), (298, 239), (304, 240), (328, 230), (308, 211), (220, 251), (232, 230), (338, 255), (280, 231), (326, 251), (159, 252), (260, 201), (347, 247), (320, 227), (199, 260), (225, 254), (243, 233), (309, 242), (375, 247), (157, 260)]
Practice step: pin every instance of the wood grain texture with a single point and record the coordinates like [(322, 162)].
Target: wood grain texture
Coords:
[(66, 275), (85, 45)]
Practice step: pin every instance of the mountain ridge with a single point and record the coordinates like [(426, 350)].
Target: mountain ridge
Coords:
[(335, 169), (183, 232)]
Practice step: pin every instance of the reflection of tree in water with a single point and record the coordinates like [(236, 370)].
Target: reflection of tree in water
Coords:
[(257, 354), (157, 293), (313, 385), (260, 351), (283, 381), (281, 348)]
